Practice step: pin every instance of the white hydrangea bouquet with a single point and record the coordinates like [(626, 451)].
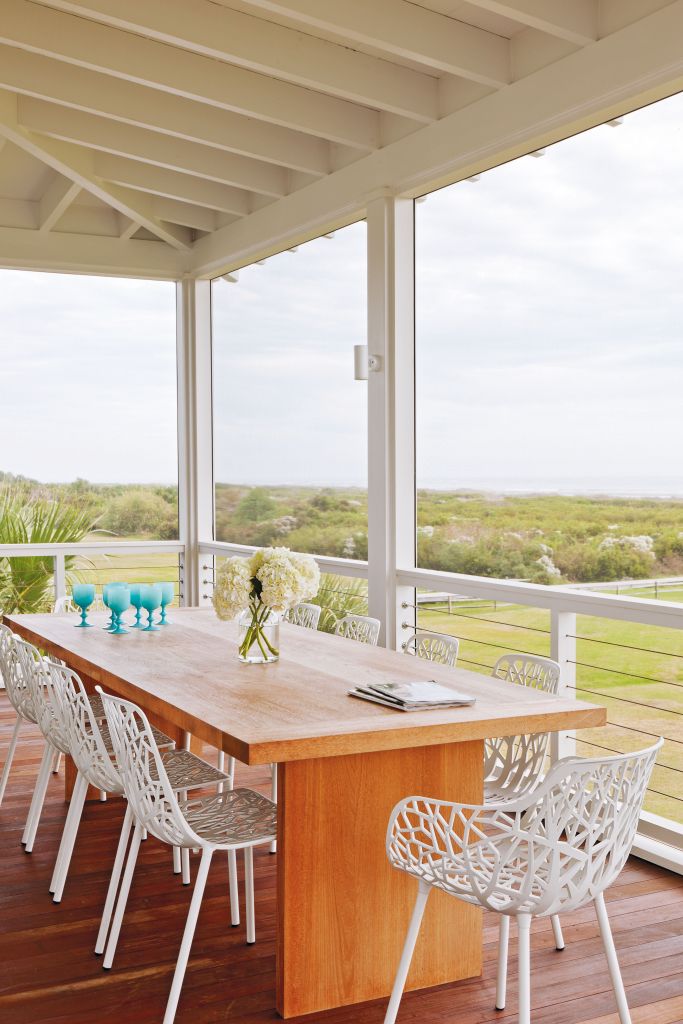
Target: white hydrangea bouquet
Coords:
[(260, 589)]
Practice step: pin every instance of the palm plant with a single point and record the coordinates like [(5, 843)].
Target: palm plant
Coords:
[(26, 581), (339, 596)]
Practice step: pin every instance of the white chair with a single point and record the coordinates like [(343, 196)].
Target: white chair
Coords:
[(554, 850), (513, 765), (19, 698), (362, 628), (442, 650), (306, 615), (89, 744), (232, 820)]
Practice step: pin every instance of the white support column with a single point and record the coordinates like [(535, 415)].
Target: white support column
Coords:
[(563, 650), (391, 412), (195, 435), (60, 576)]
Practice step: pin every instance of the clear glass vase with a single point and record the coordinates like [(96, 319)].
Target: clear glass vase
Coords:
[(259, 635)]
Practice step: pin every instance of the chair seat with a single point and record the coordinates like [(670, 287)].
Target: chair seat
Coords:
[(187, 771), (232, 818)]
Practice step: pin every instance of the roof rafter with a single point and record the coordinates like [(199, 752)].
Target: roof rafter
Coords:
[(78, 165), (577, 21), (56, 199), (406, 30), (151, 147), (592, 84), (270, 49), (42, 78), (112, 52), (171, 184)]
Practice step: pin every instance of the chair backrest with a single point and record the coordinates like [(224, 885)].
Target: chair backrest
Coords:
[(306, 615), (143, 775), (63, 606), (41, 685), (441, 649), (528, 670), (551, 852), (79, 726), (363, 628), (20, 696), (515, 763)]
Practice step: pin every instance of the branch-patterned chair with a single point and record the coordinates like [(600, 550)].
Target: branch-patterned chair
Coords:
[(556, 849), (19, 698), (362, 628), (89, 744), (233, 820), (306, 615), (443, 650)]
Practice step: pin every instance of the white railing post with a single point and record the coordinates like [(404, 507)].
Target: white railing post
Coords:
[(391, 412), (195, 433), (60, 576), (563, 650)]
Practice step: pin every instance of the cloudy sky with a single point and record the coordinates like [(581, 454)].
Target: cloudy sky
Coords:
[(549, 341)]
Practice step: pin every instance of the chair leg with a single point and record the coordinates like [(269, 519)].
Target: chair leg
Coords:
[(10, 757), (177, 866), (502, 976), (273, 797), (47, 753), (123, 898), (249, 893), (557, 933), (38, 798), (408, 950), (58, 763), (231, 773), (75, 812), (524, 971), (234, 889), (220, 764), (185, 865), (114, 881), (188, 935), (74, 809), (612, 961)]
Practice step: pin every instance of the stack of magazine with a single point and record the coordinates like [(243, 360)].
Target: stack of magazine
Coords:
[(423, 695)]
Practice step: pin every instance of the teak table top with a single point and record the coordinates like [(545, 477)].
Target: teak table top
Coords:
[(296, 708)]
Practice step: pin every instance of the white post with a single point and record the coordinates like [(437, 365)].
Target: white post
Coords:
[(60, 576), (195, 435), (563, 650), (391, 413)]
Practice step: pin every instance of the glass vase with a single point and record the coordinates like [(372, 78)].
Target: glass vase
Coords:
[(259, 635)]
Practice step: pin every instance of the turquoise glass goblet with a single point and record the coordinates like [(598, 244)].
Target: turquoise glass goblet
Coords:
[(150, 599), (106, 591), (167, 595), (83, 595), (135, 601), (119, 602)]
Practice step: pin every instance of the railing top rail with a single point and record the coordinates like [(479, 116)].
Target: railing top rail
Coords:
[(554, 598), (328, 563), (118, 547)]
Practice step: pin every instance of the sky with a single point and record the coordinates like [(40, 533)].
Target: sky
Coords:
[(549, 314)]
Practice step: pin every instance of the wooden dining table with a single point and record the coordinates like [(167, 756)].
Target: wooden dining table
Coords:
[(343, 765)]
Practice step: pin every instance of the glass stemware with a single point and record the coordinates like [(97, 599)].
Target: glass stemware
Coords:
[(83, 595), (119, 602), (106, 590), (135, 600), (150, 599), (167, 595)]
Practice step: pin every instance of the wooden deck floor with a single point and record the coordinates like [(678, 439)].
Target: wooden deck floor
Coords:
[(48, 972)]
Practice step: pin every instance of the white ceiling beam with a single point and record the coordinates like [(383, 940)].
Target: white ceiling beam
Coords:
[(112, 52), (187, 214), (152, 147), (55, 201), (637, 65), (33, 75), (573, 20), (127, 227), (78, 165), (402, 29), (89, 254), (269, 49), (171, 184)]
